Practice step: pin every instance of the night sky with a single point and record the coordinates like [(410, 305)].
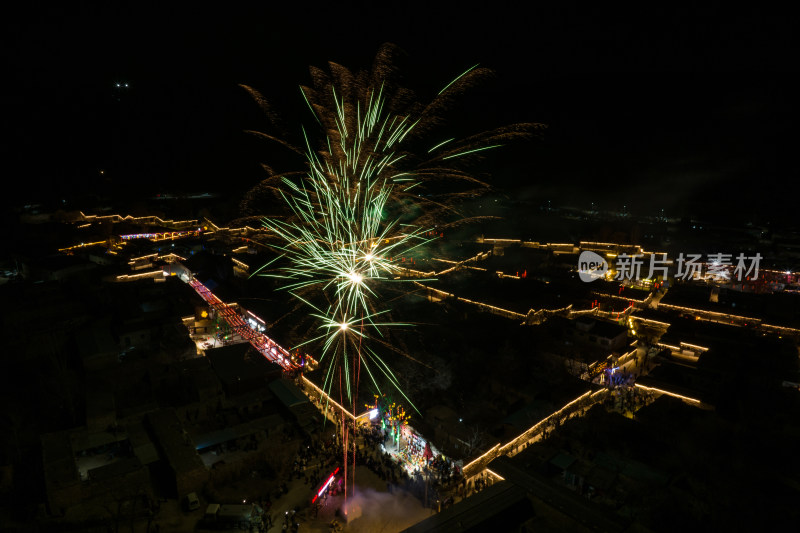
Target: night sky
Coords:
[(693, 112)]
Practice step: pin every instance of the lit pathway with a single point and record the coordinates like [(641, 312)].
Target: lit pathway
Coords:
[(576, 407), (266, 346)]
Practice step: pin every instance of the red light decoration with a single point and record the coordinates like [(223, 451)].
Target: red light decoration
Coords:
[(325, 485)]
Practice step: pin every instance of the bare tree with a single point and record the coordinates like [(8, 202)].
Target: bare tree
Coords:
[(475, 441)]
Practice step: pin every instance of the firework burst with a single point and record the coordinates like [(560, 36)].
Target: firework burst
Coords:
[(339, 242), (365, 198)]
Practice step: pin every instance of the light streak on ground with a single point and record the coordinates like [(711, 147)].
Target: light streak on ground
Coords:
[(82, 245), (495, 475), (442, 295), (576, 407), (167, 258), (142, 275), (616, 297), (163, 236), (149, 220), (670, 346), (611, 249), (240, 264), (328, 399), (695, 347), (410, 272), (532, 315), (449, 262), (673, 394), (650, 322)]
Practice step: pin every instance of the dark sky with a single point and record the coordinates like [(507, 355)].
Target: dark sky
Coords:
[(652, 108)]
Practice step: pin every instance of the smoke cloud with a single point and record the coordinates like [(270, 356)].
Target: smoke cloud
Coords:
[(383, 512)]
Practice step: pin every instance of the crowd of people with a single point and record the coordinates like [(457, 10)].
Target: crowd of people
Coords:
[(428, 477), (630, 399), (615, 378)]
